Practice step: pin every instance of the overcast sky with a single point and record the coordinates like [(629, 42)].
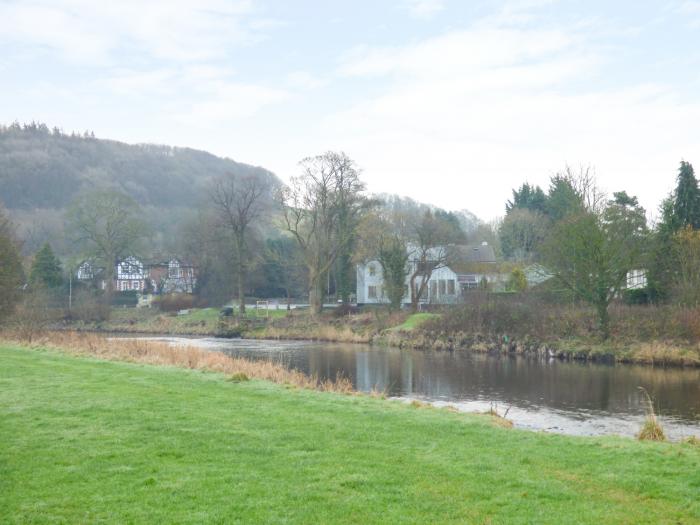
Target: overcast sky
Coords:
[(452, 102)]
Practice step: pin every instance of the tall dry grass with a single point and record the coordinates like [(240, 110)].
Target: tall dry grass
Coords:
[(652, 429), (163, 354)]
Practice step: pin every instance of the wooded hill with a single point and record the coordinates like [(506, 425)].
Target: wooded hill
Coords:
[(43, 171), (43, 168)]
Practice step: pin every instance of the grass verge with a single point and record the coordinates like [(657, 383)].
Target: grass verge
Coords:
[(87, 440)]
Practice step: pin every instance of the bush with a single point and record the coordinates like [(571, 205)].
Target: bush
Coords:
[(126, 298), (636, 296), (88, 307), (174, 302)]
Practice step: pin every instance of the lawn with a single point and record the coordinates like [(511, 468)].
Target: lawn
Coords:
[(414, 321), (89, 441)]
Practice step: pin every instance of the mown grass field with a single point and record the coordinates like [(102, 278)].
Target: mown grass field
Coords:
[(90, 441)]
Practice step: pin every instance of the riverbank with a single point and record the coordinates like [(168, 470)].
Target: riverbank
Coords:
[(425, 331), (562, 333), (124, 442)]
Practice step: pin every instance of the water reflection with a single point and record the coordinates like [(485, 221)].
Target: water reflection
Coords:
[(578, 398)]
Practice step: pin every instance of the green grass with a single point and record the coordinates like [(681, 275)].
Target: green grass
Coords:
[(204, 321), (414, 321), (88, 441)]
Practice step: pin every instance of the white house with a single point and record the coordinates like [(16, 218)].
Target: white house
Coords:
[(636, 279), (470, 267)]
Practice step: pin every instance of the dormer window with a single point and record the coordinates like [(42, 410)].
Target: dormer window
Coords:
[(372, 270), (174, 269)]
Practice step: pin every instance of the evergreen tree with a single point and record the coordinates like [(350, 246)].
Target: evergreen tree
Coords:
[(686, 199), (46, 269), (563, 199), (528, 197)]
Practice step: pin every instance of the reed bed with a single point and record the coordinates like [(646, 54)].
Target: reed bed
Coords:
[(163, 354)]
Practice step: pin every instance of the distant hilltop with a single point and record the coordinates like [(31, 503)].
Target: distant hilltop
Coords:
[(42, 167)]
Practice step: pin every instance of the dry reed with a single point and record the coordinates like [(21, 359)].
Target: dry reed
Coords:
[(652, 429), (163, 354)]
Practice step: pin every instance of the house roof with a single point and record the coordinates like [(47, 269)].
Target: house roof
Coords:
[(477, 259), (477, 253)]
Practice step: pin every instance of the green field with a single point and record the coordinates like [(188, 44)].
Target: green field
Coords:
[(89, 441)]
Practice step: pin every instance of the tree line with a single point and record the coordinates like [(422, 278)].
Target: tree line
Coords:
[(252, 235), (590, 243)]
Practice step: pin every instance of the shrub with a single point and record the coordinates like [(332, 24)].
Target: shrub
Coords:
[(636, 296), (87, 307), (174, 302), (125, 298)]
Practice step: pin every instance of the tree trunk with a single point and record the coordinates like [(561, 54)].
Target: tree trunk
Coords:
[(241, 290), (240, 271), (315, 292), (414, 294), (603, 318), (343, 280), (109, 287)]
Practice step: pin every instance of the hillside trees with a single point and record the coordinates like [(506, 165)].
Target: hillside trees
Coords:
[(106, 225), (318, 206)]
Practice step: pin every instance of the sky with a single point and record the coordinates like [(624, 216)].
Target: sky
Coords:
[(451, 102)]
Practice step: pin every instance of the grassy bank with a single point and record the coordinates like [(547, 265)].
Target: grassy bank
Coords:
[(197, 321), (85, 440)]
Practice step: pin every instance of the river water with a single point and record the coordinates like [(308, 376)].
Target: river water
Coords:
[(546, 395)]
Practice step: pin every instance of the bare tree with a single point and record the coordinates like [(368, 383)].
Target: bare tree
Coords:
[(239, 204), (430, 237), (321, 208), (108, 225)]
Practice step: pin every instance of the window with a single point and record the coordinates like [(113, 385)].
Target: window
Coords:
[(123, 285), (433, 289), (372, 292), (442, 286), (174, 270), (136, 285), (451, 287), (372, 270)]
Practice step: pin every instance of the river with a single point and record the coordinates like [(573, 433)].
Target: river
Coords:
[(545, 395)]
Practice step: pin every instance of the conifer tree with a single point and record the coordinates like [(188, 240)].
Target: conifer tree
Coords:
[(46, 269), (686, 199)]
